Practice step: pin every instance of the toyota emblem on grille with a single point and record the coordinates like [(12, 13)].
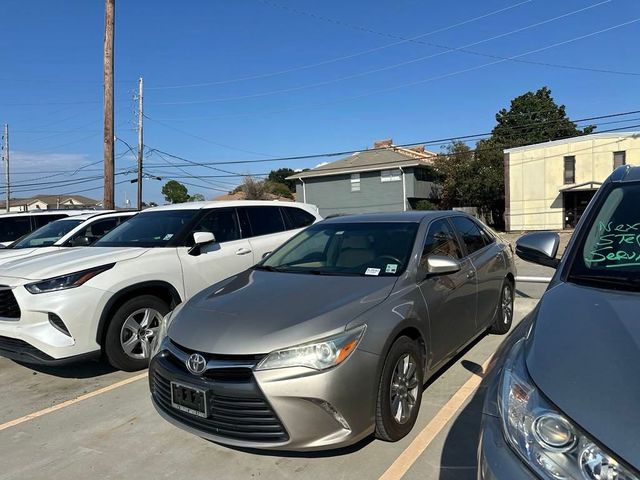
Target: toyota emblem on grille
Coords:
[(196, 363)]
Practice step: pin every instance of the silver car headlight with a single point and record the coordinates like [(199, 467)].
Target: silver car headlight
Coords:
[(64, 282), (163, 330), (548, 441), (319, 355)]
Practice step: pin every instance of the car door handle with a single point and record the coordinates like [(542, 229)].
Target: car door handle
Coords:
[(471, 274), (243, 251)]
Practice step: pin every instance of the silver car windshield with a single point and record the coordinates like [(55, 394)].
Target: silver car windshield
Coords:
[(364, 249), (610, 252), (47, 235)]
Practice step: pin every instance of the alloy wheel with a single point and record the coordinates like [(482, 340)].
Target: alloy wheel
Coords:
[(138, 332), (404, 388), (507, 304)]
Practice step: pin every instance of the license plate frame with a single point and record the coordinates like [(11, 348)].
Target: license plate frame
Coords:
[(191, 408)]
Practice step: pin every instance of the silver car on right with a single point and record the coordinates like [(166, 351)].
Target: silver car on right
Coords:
[(563, 396)]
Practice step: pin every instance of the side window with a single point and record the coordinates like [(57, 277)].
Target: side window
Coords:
[(469, 233), (42, 220), (221, 222), (441, 240), (93, 232), (297, 218), (265, 220), (487, 236)]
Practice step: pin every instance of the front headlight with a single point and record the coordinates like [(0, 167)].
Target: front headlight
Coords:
[(163, 330), (318, 355), (548, 441), (64, 282)]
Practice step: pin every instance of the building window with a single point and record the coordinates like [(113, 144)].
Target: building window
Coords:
[(569, 170), (619, 159), (355, 182), (390, 176), (423, 175)]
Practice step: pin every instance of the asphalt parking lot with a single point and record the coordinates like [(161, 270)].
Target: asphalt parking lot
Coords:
[(91, 421)]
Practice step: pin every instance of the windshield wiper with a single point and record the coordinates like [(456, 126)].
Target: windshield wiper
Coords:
[(267, 268)]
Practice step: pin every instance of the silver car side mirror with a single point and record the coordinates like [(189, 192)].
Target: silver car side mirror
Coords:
[(442, 265), (200, 239), (539, 247)]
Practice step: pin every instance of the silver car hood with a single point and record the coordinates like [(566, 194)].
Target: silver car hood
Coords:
[(258, 312), (584, 355)]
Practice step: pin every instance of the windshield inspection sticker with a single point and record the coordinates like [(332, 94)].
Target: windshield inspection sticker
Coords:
[(372, 271), (391, 268)]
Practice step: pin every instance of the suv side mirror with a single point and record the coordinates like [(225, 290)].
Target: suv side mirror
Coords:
[(539, 247), (441, 265), (80, 241), (201, 239)]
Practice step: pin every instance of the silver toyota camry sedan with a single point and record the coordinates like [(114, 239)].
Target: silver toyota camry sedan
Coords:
[(332, 336)]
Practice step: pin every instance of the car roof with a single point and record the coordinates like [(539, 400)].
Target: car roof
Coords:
[(68, 212), (107, 214), (229, 203), (626, 173), (415, 216)]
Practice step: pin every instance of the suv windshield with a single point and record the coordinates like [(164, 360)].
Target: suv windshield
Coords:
[(609, 255), (47, 235), (374, 249), (152, 229)]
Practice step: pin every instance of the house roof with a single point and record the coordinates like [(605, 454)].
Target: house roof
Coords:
[(52, 200), (580, 138), (380, 158)]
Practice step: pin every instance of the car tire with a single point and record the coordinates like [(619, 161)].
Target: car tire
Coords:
[(504, 315), (400, 387), (130, 333)]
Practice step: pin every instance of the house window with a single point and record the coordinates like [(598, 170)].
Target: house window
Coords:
[(390, 176), (355, 182), (569, 170), (619, 159)]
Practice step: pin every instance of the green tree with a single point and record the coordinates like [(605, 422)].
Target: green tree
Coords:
[(175, 192), (280, 176), (455, 174), (279, 189), (196, 197), (425, 205)]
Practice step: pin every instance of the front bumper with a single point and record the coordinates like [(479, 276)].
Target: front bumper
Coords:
[(283, 409)]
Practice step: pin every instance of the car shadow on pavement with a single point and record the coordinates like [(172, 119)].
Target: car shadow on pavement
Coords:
[(88, 369)]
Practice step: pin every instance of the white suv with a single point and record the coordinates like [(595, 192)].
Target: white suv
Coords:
[(15, 225), (77, 231), (111, 296)]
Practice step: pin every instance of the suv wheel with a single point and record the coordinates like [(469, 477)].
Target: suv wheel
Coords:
[(400, 390), (131, 332), (504, 315)]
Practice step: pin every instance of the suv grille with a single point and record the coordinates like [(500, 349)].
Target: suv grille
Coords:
[(240, 413), (8, 305)]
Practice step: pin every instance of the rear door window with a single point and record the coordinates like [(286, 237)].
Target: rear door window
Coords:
[(222, 222), (469, 233), (297, 218), (42, 220), (265, 220)]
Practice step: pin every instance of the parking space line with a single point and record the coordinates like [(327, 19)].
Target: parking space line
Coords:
[(419, 444), (59, 406)]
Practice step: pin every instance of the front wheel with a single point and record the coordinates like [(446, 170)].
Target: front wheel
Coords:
[(132, 330), (504, 316), (399, 391)]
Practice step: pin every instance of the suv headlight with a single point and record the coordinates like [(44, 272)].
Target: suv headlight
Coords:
[(163, 330), (64, 282), (548, 441), (318, 355)]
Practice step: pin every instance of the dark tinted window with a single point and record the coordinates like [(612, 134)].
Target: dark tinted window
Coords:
[(265, 220), (41, 220), (469, 233), (93, 232), (487, 236), (441, 240), (221, 222), (297, 218), (12, 228), (148, 229)]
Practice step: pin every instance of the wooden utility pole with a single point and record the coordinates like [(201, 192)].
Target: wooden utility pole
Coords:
[(109, 184), (6, 167), (140, 143)]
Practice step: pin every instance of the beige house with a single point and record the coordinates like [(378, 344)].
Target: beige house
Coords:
[(548, 185), (50, 202)]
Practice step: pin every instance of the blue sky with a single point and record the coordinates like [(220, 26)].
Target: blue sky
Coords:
[(260, 78)]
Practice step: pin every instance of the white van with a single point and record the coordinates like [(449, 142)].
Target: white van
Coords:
[(111, 297)]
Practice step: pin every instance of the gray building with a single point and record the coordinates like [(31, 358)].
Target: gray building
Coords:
[(387, 178)]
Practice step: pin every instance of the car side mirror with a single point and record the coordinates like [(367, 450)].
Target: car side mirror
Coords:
[(81, 241), (201, 239), (265, 255), (441, 265), (539, 247)]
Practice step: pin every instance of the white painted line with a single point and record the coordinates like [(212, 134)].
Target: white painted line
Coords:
[(419, 444), (68, 403)]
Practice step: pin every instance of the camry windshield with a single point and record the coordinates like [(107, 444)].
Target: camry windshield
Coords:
[(610, 252), (47, 235), (151, 229), (371, 249)]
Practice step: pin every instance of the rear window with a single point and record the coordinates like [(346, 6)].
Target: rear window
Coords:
[(42, 220), (265, 220), (12, 228), (297, 218)]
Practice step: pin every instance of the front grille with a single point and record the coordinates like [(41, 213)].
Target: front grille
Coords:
[(237, 408), (9, 307)]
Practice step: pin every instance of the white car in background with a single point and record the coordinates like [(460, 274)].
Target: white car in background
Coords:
[(77, 231), (16, 225), (111, 297)]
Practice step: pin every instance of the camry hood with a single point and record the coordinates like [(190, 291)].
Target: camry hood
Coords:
[(257, 312), (584, 355), (53, 264)]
